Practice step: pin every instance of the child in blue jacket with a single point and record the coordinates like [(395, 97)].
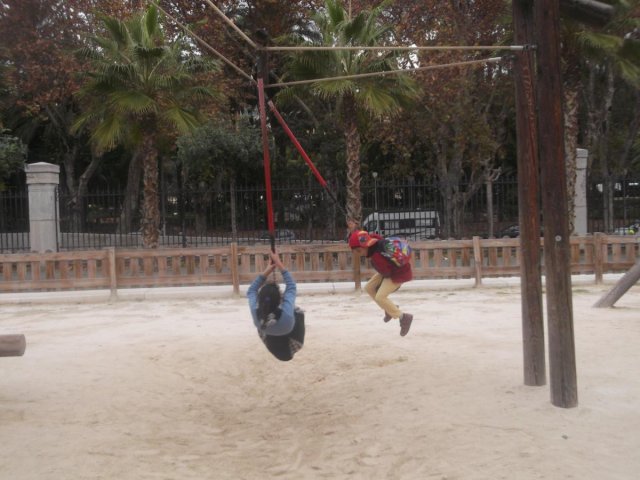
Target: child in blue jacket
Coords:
[(279, 323)]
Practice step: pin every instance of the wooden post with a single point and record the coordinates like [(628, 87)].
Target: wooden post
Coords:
[(233, 264), (528, 201), (355, 258), (113, 281), (12, 345), (599, 253), (562, 364), (477, 260)]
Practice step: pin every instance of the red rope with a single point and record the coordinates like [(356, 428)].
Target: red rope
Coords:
[(304, 155), (296, 143)]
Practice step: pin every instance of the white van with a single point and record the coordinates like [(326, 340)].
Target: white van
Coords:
[(413, 225)]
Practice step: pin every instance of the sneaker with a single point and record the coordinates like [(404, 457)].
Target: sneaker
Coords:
[(405, 323), (387, 317)]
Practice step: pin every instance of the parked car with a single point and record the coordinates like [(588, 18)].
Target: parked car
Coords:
[(280, 235), (513, 231), (631, 229), (413, 225)]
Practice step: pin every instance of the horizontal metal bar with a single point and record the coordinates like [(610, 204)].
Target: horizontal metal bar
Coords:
[(303, 48)]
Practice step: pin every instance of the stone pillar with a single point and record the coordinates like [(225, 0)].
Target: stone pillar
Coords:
[(580, 201), (42, 181)]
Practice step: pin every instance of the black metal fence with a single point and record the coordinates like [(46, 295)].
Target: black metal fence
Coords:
[(303, 212), (14, 221)]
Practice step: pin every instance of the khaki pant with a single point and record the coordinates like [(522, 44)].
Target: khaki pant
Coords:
[(379, 288)]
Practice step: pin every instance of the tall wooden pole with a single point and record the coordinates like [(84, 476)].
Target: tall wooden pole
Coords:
[(262, 68), (562, 364), (528, 199)]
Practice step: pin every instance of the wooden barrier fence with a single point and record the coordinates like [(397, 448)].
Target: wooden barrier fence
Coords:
[(235, 265)]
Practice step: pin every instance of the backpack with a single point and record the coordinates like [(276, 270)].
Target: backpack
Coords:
[(396, 250)]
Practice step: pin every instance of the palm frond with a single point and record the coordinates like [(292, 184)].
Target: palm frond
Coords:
[(131, 102), (149, 54), (629, 71), (151, 20), (117, 71), (83, 120), (182, 119), (599, 43), (333, 89), (106, 44), (377, 101), (199, 93), (109, 133), (355, 29), (88, 53), (335, 13), (118, 31)]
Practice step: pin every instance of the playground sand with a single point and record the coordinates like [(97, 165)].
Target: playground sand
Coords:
[(184, 389)]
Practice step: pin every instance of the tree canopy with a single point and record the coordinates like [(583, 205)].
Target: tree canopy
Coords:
[(458, 127)]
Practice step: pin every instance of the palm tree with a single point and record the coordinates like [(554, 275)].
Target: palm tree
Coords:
[(140, 86), (595, 59), (598, 48), (354, 100)]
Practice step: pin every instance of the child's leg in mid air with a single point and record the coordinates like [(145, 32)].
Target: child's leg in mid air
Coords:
[(373, 284), (385, 287)]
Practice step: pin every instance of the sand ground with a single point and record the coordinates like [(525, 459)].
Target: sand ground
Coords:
[(183, 389)]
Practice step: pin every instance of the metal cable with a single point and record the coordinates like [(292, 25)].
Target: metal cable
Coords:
[(231, 24), (303, 48), (390, 72)]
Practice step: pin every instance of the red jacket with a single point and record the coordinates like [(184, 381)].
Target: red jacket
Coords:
[(386, 267)]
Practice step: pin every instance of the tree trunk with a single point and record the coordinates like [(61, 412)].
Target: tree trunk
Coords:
[(570, 148), (131, 195), (603, 150), (608, 186), (78, 189), (489, 185), (200, 218), (632, 135), (352, 140), (150, 207), (234, 207), (458, 214), (600, 92)]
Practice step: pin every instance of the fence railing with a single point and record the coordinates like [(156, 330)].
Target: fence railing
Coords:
[(234, 265)]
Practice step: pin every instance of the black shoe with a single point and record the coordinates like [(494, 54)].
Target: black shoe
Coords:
[(405, 323), (387, 317)]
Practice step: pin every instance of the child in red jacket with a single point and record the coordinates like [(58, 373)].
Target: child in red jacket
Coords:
[(388, 279)]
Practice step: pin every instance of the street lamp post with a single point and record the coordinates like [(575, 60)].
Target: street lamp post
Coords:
[(375, 190)]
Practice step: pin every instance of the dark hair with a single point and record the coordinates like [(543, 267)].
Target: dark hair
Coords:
[(268, 300)]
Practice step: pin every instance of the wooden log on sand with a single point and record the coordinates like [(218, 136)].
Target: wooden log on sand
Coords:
[(619, 289), (12, 345)]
